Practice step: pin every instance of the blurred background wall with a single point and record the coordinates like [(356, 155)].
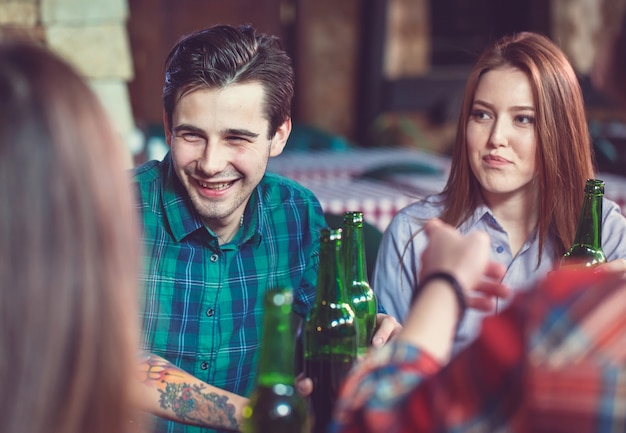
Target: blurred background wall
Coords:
[(90, 34), (376, 72)]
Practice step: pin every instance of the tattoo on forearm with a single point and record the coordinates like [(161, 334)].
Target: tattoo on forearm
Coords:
[(191, 403)]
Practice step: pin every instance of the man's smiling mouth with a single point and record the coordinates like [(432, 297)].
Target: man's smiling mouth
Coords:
[(215, 186)]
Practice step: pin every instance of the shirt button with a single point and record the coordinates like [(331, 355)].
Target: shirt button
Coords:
[(214, 258), (204, 365), (500, 249), (210, 312)]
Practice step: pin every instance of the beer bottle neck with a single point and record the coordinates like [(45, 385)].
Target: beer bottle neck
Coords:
[(329, 283), (276, 362), (355, 266), (589, 230)]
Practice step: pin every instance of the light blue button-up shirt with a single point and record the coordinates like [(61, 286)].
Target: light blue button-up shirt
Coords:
[(399, 257)]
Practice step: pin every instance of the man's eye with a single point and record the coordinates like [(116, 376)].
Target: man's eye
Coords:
[(190, 136), (236, 139)]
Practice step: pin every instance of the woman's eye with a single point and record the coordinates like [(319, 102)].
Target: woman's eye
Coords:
[(480, 114), (526, 120)]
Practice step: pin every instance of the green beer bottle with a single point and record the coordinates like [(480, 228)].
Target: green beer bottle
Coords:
[(360, 293), (329, 334), (587, 247), (275, 405)]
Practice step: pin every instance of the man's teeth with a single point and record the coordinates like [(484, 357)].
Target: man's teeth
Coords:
[(215, 186)]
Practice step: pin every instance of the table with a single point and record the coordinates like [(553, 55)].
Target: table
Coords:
[(378, 202), (353, 163), (348, 180), (352, 179)]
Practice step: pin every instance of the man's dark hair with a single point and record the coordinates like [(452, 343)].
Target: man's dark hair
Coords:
[(222, 55)]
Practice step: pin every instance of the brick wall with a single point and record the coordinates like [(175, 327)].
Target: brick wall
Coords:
[(577, 26), (91, 35)]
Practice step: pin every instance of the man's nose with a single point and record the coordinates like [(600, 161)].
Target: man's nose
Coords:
[(213, 160)]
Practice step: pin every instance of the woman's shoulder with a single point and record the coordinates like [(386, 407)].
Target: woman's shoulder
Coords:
[(423, 209), (609, 206), (413, 216), (613, 220)]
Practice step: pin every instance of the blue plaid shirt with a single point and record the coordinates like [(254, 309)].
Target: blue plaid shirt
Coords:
[(202, 303)]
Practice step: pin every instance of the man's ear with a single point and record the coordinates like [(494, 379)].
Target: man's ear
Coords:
[(280, 138), (168, 128)]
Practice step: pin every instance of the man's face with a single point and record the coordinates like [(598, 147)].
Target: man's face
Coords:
[(220, 149)]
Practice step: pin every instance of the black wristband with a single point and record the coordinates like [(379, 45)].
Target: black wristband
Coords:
[(454, 283)]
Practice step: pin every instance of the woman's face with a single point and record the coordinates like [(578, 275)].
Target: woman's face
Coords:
[(501, 134)]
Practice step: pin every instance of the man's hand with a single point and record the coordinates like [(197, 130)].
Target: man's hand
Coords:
[(387, 327), (304, 385)]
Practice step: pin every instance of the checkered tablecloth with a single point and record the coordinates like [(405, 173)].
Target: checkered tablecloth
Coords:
[(378, 202), (336, 178), (349, 164)]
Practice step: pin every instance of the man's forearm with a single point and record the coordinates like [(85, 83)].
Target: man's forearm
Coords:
[(169, 392)]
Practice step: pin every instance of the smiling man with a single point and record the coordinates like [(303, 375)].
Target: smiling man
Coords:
[(218, 231)]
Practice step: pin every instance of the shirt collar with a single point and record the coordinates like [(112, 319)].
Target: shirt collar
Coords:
[(252, 220), (483, 215)]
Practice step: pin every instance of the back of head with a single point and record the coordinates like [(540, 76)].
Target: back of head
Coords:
[(68, 256), (222, 55), (564, 157)]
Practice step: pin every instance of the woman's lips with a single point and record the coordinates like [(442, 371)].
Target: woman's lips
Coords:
[(495, 160)]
